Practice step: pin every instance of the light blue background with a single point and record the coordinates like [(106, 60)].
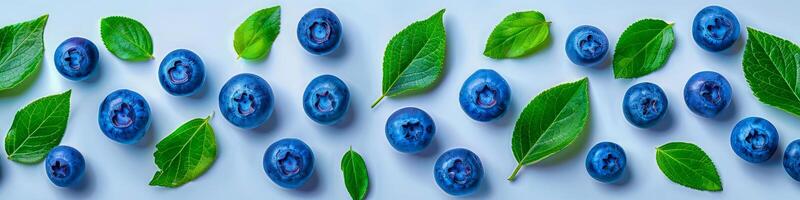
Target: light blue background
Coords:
[(117, 171)]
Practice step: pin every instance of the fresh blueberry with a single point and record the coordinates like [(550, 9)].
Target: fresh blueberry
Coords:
[(64, 166), (319, 31), (326, 99), (76, 58), (707, 93), (458, 172), (754, 139), (606, 162), (289, 163), (586, 45), (485, 95), (715, 28), (246, 100), (181, 72), (124, 116), (644, 104), (791, 160), (409, 130)]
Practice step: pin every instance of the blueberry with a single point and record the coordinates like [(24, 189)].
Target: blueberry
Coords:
[(606, 162), (246, 100), (644, 104), (458, 172), (715, 28), (485, 95), (124, 116), (181, 72), (289, 163), (76, 58), (586, 45), (319, 31), (64, 166), (791, 160), (754, 139), (707, 93), (326, 99), (409, 130)]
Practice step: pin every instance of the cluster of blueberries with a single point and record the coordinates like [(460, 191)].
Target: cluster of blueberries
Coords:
[(246, 101)]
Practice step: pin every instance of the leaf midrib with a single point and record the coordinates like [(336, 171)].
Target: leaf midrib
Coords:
[(17, 47), (764, 50), (560, 112), (664, 152), (355, 173), (416, 57), (259, 31), (130, 39), (49, 115), (172, 160), (514, 35), (661, 32)]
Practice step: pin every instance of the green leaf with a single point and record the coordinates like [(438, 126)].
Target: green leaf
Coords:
[(550, 122), (687, 164), (643, 48), (126, 38), (37, 128), (254, 37), (21, 51), (517, 35), (355, 174), (185, 154), (414, 58), (771, 66)]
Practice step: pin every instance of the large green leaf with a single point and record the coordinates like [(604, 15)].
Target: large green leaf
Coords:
[(21, 51), (517, 35), (687, 164), (185, 154), (38, 128), (771, 66), (126, 38), (643, 48), (550, 122), (254, 37), (355, 174), (414, 58)]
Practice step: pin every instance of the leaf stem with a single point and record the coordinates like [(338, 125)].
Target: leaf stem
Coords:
[(514, 174), (377, 101)]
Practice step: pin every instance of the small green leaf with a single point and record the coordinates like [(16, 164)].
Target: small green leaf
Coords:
[(771, 66), (38, 128), (414, 58), (355, 174), (21, 51), (185, 154), (517, 35), (643, 48), (254, 37), (550, 122), (687, 164), (126, 38)]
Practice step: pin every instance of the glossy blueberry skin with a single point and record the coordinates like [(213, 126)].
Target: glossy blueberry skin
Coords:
[(715, 28), (319, 31), (606, 162), (410, 130), (326, 99), (754, 139), (289, 162), (124, 116), (458, 172), (181, 73), (644, 104), (64, 166), (76, 58), (485, 95), (246, 100), (791, 160), (586, 45), (707, 93)]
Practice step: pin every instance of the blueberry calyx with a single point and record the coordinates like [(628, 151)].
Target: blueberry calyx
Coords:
[(73, 58), (412, 129), (179, 72), (289, 163), (122, 114), (245, 103), (324, 101), (459, 171), (319, 31), (60, 170), (486, 96)]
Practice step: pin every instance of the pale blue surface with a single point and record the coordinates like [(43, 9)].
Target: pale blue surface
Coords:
[(116, 171)]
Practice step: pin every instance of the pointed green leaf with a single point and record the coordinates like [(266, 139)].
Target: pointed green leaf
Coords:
[(185, 154), (254, 37), (550, 122), (21, 51), (643, 48), (355, 174), (38, 128), (414, 58), (126, 38), (688, 165), (771, 66), (517, 35)]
